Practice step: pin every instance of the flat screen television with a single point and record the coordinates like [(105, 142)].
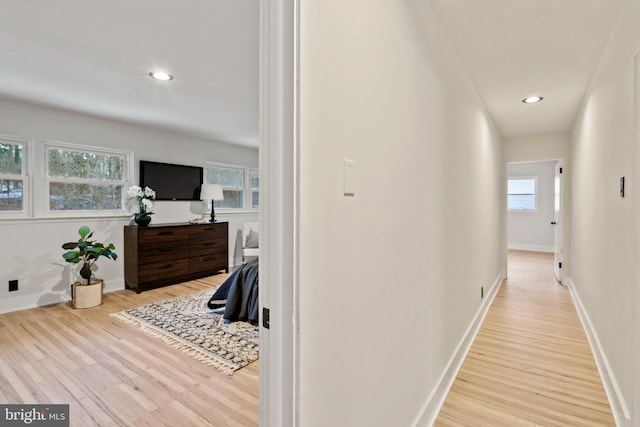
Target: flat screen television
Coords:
[(171, 182)]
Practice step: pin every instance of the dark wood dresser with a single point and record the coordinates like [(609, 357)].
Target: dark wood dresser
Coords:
[(163, 254)]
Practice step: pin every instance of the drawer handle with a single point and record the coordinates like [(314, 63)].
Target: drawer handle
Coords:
[(209, 244), (165, 250), (165, 267), (165, 233)]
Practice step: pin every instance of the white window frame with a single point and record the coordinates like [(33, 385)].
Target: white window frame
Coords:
[(27, 193), (127, 179), (535, 193), (247, 190)]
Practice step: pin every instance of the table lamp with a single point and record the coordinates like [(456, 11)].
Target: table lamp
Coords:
[(211, 192)]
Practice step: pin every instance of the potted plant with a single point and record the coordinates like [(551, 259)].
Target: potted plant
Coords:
[(87, 252), (144, 199)]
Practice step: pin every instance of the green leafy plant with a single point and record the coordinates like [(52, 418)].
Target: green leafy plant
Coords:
[(87, 252)]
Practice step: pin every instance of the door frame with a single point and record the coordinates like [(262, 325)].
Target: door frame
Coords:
[(278, 207), (636, 307), (558, 231), (563, 210)]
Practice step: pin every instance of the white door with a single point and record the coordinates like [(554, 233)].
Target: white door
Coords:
[(557, 223)]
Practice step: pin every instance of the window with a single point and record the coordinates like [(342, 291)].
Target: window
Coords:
[(86, 179), (13, 177), (239, 185), (521, 194), (255, 188)]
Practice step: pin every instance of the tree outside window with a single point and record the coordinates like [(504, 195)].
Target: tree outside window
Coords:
[(255, 188), (239, 185), (12, 175), (85, 179)]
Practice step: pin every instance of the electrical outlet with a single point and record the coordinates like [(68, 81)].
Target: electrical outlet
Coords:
[(481, 292), (13, 285)]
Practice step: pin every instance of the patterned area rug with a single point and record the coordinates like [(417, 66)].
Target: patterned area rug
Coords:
[(188, 324)]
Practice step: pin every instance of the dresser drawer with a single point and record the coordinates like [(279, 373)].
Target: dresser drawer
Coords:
[(162, 237), (210, 262), (160, 271), (168, 252), (208, 232), (201, 247)]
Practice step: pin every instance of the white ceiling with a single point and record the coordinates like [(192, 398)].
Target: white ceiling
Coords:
[(76, 55), (95, 57), (516, 48)]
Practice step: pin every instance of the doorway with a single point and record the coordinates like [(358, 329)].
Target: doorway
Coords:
[(534, 209)]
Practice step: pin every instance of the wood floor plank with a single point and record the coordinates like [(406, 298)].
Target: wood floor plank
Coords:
[(530, 363), (112, 373)]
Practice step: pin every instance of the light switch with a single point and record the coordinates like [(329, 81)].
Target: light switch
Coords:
[(349, 177)]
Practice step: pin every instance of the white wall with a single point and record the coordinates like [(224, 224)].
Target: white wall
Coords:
[(538, 147), (533, 230), (605, 251), (389, 280), (30, 249)]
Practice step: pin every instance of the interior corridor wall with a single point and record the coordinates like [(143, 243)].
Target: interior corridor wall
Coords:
[(605, 252), (389, 278)]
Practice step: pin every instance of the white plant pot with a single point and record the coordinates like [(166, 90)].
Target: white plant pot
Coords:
[(85, 296)]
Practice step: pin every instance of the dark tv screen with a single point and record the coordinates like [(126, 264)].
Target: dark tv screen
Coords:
[(171, 182)]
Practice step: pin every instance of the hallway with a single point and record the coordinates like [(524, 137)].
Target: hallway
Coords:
[(531, 362)]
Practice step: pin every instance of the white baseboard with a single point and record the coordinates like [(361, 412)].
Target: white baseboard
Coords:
[(532, 248), (431, 408), (618, 405), (38, 300)]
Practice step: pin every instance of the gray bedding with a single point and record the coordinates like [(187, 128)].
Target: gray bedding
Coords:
[(239, 294)]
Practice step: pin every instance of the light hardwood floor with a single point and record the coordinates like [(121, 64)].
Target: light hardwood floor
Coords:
[(112, 373), (530, 363)]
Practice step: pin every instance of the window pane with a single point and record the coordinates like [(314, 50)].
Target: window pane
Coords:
[(232, 199), (11, 158), (11, 195), (85, 165), (227, 177), (256, 199), (522, 201), (255, 178), (521, 194), (522, 186), (91, 197)]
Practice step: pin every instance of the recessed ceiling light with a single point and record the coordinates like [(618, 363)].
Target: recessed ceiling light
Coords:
[(161, 75), (532, 99)]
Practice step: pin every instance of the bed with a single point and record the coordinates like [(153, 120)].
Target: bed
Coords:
[(239, 294)]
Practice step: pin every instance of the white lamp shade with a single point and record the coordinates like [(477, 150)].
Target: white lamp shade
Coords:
[(211, 192)]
